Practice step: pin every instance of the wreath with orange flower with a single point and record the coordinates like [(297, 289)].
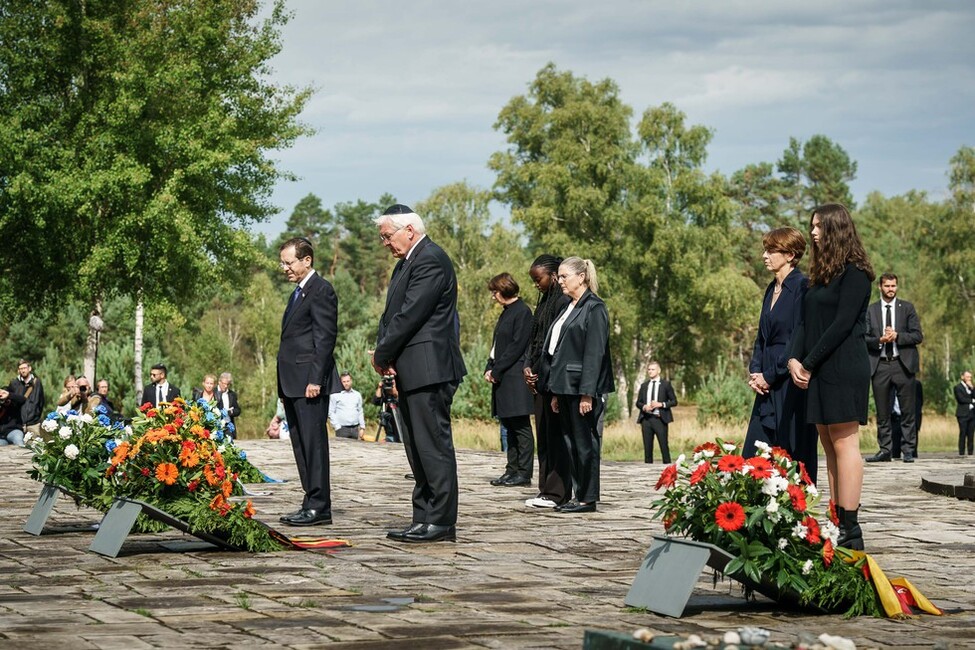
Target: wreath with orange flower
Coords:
[(177, 460)]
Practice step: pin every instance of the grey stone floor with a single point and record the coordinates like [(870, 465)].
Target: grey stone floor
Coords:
[(515, 578)]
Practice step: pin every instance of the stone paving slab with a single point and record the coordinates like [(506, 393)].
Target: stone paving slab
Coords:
[(516, 578)]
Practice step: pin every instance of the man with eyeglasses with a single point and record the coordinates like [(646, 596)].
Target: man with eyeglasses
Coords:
[(419, 343), (306, 373)]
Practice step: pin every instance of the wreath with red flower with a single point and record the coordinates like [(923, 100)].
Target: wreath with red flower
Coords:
[(762, 511)]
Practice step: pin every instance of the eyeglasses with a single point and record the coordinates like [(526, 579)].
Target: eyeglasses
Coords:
[(385, 238), (288, 265), (566, 276)]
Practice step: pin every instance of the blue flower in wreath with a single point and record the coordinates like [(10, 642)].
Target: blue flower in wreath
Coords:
[(218, 434), (110, 445), (118, 425), (101, 409), (243, 454), (230, 427), (202, 402), (53, 415), (104, 420), (71, 412)]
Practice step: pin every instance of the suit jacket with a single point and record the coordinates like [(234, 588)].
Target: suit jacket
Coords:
[(965, 397), (665, 394), (149, 394), (909, 335), (510, 396), (581, 364), (234, 409), (419, 331), (305, 355)]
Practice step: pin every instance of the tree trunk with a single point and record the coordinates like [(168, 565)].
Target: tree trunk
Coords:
[(137, 371)]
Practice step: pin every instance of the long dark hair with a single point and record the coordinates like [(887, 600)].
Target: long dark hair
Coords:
[(547, 307), (839, 245)]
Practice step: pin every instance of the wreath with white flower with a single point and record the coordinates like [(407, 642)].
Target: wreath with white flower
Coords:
[(762, 510)]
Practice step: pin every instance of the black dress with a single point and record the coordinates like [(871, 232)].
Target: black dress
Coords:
[(779, 417), (830, 344)]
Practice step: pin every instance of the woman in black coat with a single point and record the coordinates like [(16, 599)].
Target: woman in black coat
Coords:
[(779, 414), (829, 357), (554, 476), (511, 400), (578, 373)]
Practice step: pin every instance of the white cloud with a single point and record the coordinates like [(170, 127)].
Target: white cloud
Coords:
[(407, 92)]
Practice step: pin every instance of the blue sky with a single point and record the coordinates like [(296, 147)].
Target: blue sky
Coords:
[(407, 92)]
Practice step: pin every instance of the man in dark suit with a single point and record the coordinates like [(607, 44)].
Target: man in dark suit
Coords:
[(419, 342), (227, 400), (654, 400), (965, 413), (160, 389), (306, 369), (893, 334)]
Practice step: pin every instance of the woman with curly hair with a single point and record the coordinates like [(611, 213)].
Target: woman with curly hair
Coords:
[(554, 476), (829, 357)]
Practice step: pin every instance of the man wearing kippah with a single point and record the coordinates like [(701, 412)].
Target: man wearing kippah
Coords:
[(419, 343)]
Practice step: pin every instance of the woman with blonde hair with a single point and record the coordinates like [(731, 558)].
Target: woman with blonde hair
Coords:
[(578, 373), (829, 357)]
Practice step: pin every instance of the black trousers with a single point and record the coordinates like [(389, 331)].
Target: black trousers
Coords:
[(429, 444), (891, 377), (554, 473), (584, 445), (309, 440), (966, 434), (652, 426), (521, 446)]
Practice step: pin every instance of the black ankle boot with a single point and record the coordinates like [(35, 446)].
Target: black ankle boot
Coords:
[(850, 534)]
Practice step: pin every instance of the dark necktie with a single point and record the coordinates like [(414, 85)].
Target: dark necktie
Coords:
[(291, 304), (159, 394), (889, 346)]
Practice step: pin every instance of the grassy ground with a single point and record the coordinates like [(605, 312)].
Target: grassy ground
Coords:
[(622, 440)]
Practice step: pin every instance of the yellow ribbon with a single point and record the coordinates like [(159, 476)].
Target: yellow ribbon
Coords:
[(885, 588)]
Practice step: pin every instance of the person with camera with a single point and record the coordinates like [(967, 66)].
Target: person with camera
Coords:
[(85, 400), (11, 420), (385, 399)]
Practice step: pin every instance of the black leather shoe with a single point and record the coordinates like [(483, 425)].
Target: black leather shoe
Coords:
[(288, 517), (311, 518), (908, 458), (880, 457), (517, 481), (501, 480), (400, 534), (432, 533), (575, 506)]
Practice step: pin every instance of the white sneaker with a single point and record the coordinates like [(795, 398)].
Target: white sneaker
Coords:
[(540, 502)]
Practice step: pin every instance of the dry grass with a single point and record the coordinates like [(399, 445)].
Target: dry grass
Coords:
[(623, 441)]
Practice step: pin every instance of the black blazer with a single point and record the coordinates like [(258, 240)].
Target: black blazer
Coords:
[(305, 355), (234, 409), (510, 396), (909, 335), (149, 394), (419, 331), (582, 364), (665, 394), (965, 397)]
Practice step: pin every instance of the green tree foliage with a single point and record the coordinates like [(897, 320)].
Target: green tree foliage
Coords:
[(126, 121), (815, 172)]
